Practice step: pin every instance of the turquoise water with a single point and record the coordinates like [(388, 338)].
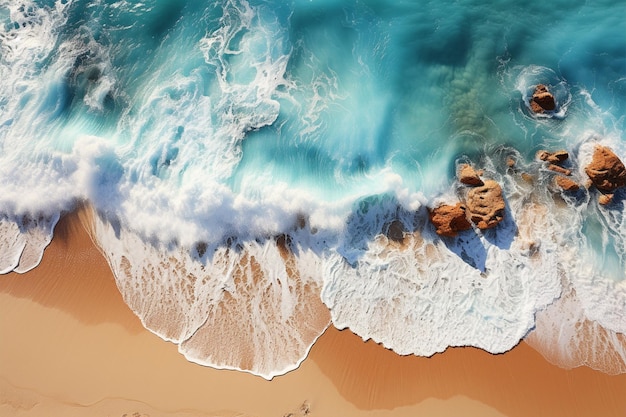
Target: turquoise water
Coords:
[(187, 123)]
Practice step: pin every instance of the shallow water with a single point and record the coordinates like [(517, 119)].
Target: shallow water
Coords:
[(250, 158)]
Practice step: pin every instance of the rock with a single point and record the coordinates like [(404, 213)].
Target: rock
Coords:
[(395, 231), (566, 184), (605, 199), (542, 100), (557, 157), (560, 170), (485, 205), (606, 170), (510, 162), (528, 178), (449, 220), (468, 176)]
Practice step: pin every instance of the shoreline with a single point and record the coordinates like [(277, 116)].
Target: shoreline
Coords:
[(76, 349)]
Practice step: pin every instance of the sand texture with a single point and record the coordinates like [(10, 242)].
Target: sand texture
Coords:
[(69, 346)]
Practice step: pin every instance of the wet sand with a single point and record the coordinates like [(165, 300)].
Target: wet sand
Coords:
[(70, 346)]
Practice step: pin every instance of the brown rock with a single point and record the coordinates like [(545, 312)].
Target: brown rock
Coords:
[(542, 100), (605, 199), (566, 184), (510, 162), (468, 176), (560, 170), (528, 178), (536, 108), (606, 170), (449, 220), (485, 205), (557, 157)]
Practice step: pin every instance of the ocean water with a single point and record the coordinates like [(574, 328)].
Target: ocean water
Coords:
[(260, 170)]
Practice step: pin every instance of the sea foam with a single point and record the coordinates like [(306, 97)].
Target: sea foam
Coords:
[(251, 306), (258, 170)]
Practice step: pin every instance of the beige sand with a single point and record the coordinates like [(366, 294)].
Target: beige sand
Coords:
[(69, 346)]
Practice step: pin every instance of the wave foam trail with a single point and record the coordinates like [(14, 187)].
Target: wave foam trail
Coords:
[(184, 135), (598, 276), (22, 242), (246, 305), (27, 220), (41, 175), (27, 42), (428, 293), (565, 336), (585, 326), (259, 169)]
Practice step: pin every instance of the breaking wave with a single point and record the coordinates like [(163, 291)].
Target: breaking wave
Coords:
[(259, 170)]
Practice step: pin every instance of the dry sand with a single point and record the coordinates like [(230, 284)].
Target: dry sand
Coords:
[(69, 346)]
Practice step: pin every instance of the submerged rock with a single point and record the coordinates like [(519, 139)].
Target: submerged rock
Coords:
[(605, 199), (485, 205), (559, 169), (566, 184), (542, 100), (528, 178), (606, 171), (469, 176), (449, 220), (395, 231), (557, 157)]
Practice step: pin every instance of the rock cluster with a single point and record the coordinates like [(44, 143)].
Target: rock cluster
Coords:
[(484, 205), (606, 172), (555, 162), (542, 100)]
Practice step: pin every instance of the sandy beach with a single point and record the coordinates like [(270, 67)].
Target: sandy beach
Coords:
[(71, 347)]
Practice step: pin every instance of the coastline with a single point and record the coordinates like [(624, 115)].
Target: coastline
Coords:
[(72, 347)]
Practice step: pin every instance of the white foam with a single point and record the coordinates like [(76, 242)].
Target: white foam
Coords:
[(586, 326), (162, 185), (602, 293), (184, 136), (249, 73), (36, 158), (248, 305), (35, 193), (566, 337), (37, 235), (26, 41), (11, 245), (91, 68), (34, 188), (477, 289), (22, 242)]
